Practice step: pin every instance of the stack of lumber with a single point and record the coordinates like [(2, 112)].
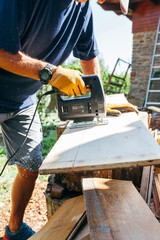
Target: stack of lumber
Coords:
[(115, 211), (148, 175), (103, 151)]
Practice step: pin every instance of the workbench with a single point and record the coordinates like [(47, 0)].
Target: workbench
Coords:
[(124, 142)]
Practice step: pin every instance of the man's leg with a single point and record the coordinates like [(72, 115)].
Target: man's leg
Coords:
[(21, 192), (28, 160)]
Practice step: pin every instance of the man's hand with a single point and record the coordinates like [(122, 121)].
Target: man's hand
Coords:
[(68, 81), (84, 1)]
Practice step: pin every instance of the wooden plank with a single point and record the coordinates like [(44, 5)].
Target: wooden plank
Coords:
[(61, 127), (123, 142), (144, 118), (76, 228), (63, 221), (116, 98), (156, 196), (145, 182), (118, 205), (83, 232)]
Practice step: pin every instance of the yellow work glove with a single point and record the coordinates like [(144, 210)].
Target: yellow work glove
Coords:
[(68, 81)]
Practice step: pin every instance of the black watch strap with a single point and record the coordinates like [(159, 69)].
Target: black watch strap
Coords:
[(49, 66), (45, 74)]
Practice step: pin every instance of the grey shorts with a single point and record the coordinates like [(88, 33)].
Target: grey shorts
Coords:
[(14, 127)]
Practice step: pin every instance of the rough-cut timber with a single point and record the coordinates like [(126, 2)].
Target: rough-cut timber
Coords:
[(116, 210), (156, 195), (63, 221), (145, 182)]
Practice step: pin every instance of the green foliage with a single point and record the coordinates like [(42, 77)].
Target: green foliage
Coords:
[(106, 75), (104, 72), (48, 142), (74, 64), (3, 153), (42, 109), (48, 119), (126, 86)]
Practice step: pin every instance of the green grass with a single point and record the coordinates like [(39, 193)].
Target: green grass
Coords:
[(7, 178)]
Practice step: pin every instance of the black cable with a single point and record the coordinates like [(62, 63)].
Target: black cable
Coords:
[(47, 93)]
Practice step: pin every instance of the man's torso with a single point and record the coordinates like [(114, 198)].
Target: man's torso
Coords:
[(46, 30)]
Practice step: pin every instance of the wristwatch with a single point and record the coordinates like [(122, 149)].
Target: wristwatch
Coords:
[(45, 74)]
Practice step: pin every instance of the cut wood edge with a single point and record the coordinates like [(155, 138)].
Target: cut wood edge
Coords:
[(54, 225)]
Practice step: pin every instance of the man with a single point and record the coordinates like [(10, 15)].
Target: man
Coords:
[(36, 37)]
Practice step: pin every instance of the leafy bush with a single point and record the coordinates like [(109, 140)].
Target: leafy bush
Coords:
[(106, 75), (48, 142), (48, 119), (74, 64)]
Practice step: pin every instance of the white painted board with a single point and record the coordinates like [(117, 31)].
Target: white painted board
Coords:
[(123, 142)]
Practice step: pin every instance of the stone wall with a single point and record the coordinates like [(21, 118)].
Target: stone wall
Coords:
[(143, 45)]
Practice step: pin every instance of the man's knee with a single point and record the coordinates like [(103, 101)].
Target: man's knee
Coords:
[(27, 174)]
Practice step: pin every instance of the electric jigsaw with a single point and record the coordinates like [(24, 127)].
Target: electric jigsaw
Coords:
[(84, 109)]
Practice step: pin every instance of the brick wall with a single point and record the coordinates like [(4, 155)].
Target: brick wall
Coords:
[(145, 21), (143, 44), (145, 17)]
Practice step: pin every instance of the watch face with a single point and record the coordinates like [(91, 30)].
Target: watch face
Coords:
[(45, 75)]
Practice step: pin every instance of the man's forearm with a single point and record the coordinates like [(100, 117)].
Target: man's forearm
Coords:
[(91, 66), (21, 64)]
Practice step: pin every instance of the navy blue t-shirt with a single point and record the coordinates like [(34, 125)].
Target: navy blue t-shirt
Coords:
[(45, 29)]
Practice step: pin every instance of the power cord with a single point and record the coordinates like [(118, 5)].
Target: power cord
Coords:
[(18, 149)]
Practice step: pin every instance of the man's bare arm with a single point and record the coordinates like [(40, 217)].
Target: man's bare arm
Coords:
[(91, 66), (21, 64)]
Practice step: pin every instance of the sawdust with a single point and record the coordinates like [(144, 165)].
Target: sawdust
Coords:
[(36, 211)]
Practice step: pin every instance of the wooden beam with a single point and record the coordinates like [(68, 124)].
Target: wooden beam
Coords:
[(116, 210)]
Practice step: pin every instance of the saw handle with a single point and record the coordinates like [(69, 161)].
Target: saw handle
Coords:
[(88, 80), (88, 83)]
